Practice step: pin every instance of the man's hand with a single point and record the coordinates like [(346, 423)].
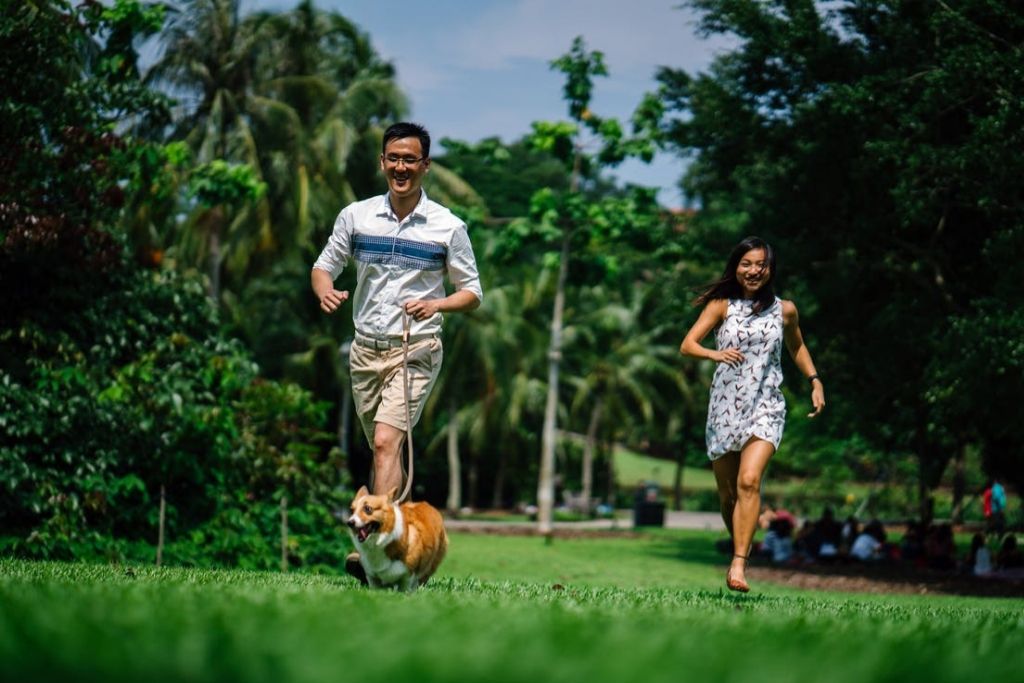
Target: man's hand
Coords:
[(332, 300), (422, 309)]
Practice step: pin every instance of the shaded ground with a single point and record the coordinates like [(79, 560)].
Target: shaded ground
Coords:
[(864, 579)]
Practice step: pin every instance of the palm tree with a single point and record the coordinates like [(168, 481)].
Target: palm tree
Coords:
[(298, 96), (491, 385), (627, 378), (207, 63)]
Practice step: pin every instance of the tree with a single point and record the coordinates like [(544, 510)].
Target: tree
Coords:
[(870, 141), (627, 377), (565, 219), (505, 175)]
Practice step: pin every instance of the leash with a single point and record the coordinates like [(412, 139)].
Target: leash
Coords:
[(406, 325)]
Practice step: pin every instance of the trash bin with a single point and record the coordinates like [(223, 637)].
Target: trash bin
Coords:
[(649, 513), (647, 509)]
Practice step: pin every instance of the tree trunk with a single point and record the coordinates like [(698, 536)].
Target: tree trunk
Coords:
[(473, 481), (284, 534), (677, 485), (959, 486), (609, 450), (926, 505), (497, 497), (214, 256), (587, 476), (546, 482), (454, 470), (160, 528)]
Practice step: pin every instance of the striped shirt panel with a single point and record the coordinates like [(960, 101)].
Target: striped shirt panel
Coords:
[(398, 252)]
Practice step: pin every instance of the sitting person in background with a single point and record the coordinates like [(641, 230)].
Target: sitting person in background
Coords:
[(778, 541), (830, 535), (805, 542), (766, 516), (939, 548), (979, 559), (1009, 556), (869, 545), (912, 545), (849, 534)]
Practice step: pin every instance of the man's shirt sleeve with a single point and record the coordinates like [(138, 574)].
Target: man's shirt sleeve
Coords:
[(462, 264), (339, 247)]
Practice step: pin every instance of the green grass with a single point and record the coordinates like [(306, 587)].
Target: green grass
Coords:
[(631, 468), (502, 609)]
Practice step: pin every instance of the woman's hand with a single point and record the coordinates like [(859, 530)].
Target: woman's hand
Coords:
[(731, 357), (817, 398)]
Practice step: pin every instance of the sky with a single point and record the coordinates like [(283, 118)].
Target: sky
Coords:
[(479, 68)]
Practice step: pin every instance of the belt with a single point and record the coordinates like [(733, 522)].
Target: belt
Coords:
[(383, 343)]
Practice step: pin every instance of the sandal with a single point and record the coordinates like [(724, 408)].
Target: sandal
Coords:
[(738, 585)]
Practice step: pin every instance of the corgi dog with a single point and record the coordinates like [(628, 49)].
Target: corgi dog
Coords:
[(400, 546)]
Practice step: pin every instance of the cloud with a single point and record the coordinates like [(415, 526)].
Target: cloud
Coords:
[(634, 35)]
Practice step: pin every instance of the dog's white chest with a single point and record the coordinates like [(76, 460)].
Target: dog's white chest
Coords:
[(381, 567)]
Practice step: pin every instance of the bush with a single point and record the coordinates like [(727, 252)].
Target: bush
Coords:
[(121, 400)]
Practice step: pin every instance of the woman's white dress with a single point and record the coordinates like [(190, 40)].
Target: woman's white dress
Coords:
[(746, 400)]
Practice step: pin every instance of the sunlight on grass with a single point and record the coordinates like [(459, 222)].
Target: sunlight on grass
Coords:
[(611, 608)]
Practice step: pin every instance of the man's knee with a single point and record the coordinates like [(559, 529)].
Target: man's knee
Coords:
[(386, 441)]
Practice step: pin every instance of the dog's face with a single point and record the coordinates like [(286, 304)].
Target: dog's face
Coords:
[(370, 514)]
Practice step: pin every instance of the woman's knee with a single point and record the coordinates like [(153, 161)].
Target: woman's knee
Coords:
[(749, 484)]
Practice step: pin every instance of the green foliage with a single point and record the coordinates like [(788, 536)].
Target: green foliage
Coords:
[(505, 175), (94, 430), (870, 142), (219, 182), (579, 67), (115, 381)]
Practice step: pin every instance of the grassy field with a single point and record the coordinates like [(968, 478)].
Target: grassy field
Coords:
[(502, 609)]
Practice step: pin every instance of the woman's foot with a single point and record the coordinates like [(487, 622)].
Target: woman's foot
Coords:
[(734, 579)]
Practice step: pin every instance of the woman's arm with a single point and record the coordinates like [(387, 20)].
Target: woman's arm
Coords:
[(801, 356), (710, 318)]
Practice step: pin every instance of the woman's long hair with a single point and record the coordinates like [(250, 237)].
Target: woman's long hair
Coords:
[(728, 287)]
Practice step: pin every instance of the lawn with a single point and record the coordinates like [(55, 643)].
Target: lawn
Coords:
[(618, 608)]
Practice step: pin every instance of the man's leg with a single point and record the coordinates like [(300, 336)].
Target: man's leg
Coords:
[(387, 458), (367, 370)]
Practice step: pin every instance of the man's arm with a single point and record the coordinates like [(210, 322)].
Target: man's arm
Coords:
[(331, 262), (458, 302), (323, 286)]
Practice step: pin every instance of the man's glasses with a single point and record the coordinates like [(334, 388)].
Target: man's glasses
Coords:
[(394, 160)]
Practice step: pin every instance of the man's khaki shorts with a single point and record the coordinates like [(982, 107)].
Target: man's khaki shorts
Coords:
[(377, 389)]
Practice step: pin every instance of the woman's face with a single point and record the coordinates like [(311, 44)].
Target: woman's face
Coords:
[(752, 271)]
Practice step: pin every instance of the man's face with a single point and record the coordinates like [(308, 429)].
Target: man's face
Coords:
[(404, 167)]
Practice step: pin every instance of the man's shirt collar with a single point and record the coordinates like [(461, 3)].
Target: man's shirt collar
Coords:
[(419, 210)]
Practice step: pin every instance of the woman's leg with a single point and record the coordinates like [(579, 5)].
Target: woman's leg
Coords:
[(752, 463), (726, 469)]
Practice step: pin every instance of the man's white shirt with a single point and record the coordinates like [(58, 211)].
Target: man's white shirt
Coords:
[(399, 261)]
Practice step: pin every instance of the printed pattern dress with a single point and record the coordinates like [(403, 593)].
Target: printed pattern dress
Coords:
[(746, 400)]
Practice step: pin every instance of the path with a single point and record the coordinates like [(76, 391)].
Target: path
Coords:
[(704, 521)]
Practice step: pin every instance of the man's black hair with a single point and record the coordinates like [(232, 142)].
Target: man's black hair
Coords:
[(404, 129)]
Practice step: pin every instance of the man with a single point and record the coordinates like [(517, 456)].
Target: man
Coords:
[(403, 244)]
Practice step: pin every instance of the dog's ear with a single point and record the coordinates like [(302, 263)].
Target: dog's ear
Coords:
[(392, 493), (362, 492)]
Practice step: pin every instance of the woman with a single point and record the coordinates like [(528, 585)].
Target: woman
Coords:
[(746, 412)]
